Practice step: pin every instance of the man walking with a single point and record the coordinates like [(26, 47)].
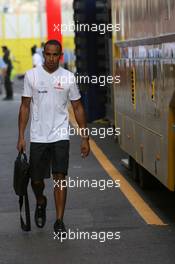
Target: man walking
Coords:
[(3, 69), (7, 81), (49, 147), (36, 58)]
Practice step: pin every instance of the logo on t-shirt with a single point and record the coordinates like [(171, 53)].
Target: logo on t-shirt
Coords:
[(58, 86), (42, 91)]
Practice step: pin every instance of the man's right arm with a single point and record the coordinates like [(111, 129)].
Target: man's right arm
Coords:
[(23, 118)]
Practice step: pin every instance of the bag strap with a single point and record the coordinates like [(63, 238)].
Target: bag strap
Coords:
[(25, 226), (22, 155)]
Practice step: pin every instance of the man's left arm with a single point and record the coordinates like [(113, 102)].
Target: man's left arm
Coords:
[(81, 120)]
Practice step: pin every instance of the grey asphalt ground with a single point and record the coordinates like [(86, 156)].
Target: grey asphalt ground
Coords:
[(88, 209)]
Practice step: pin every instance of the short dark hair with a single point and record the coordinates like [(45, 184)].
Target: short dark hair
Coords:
[(53, 42), (33, 49), (4, 47)]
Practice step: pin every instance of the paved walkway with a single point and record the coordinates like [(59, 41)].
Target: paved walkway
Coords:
[(88, 209)]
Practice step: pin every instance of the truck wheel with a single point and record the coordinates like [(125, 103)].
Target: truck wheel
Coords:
[(144, 178), (134, 169)]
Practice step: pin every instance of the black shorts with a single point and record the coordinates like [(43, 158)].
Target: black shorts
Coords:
[(47, 158)]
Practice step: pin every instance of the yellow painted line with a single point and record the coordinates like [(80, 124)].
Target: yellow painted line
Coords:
[(134, 198), (143, 209)]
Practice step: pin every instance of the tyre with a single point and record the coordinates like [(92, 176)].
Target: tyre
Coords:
[(134, 169), (145, 179)]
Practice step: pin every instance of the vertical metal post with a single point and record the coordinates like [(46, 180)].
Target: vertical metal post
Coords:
[(53, 13)]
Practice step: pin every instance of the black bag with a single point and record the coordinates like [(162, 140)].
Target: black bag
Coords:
[(20, 183)]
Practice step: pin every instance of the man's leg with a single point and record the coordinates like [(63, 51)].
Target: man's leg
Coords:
[(60, 160), (60, 194), (8, 87), (39, 170), (40, 211), (38, 188)]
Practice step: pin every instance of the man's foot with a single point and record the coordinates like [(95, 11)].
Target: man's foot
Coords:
[(40, 213), (7, 98), (59, 228)]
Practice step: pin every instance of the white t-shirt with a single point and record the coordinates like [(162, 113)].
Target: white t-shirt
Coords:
[(37, 60), (50, 94)]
